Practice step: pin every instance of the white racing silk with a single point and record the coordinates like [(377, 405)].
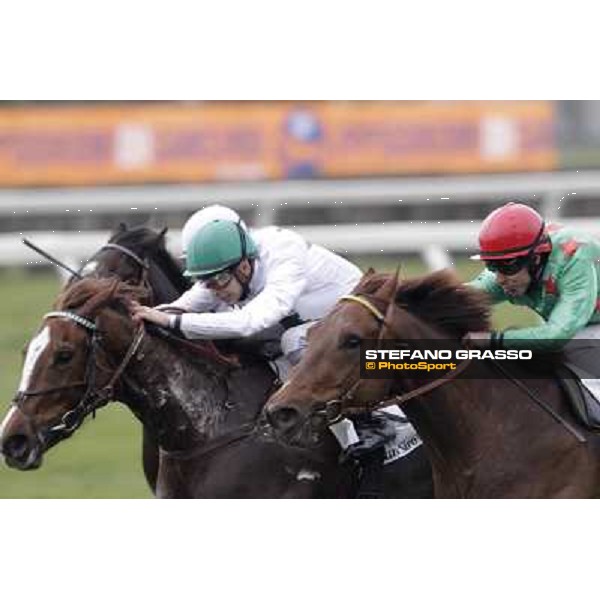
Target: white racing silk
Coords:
[(290, 276)]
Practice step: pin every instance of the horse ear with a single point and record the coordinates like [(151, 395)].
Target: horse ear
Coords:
[(397, 282), (371, 271), (388, 290), (162, 232), (122, 227)]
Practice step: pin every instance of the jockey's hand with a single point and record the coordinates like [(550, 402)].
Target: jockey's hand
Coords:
[(139, 312), (478, 340), (172, 310)]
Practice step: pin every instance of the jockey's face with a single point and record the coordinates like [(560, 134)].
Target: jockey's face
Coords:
[(233, 291), (514, 285)]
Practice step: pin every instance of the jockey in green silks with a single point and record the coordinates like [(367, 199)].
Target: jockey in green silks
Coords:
[(551, 269)]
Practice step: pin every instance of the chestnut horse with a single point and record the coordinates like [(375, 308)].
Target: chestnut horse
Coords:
[(492, 438)]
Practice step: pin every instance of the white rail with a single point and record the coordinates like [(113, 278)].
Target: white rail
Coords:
[(266, 198), (431, 239)]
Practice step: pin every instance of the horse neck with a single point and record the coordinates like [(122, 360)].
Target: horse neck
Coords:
[(185, 402), (480, 432), (166, 280), (452, 420)]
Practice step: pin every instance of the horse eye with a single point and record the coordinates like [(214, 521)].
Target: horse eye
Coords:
[(351, 341), (62, 357)]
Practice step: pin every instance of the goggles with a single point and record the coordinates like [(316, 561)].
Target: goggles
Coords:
[(507, 267), (218, 281)]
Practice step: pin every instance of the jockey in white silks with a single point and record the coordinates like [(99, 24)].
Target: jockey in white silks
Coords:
[(248, 282)]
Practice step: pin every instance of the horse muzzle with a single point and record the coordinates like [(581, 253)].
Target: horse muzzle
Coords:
[(21, 453), (285, 420)]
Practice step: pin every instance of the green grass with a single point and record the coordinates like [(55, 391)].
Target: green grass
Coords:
[(103, 459)]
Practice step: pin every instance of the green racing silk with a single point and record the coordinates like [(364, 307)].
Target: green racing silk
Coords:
[(566, 295)]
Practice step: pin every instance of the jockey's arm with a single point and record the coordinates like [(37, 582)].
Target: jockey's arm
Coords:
[(285, 281), (197, 299), (578, 293)]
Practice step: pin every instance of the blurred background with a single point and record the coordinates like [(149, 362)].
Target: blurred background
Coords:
[(379, 182)]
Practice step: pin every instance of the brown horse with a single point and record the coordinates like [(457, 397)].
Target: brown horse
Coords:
[(201, 409), (484, 438)]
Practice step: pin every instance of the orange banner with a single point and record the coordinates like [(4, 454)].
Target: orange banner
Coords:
[(173, 142)]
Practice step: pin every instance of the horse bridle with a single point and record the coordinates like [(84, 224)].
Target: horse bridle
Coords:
[(140, 262), (332, 410), (92, 398)]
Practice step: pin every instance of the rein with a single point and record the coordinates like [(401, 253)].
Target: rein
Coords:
[(545, 407), (222, 441)]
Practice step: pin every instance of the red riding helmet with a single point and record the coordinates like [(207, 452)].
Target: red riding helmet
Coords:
[(510, 231)]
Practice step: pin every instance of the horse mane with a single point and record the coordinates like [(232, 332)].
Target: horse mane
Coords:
[(439, 298), (371, 283), (88, 295), (146, 242)]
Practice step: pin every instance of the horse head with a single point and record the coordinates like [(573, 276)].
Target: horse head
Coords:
[(326, 384), (139, 256), (69, 369)]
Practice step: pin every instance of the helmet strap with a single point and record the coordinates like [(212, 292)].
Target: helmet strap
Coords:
[(244, 251), (245, 285), (536, 268)]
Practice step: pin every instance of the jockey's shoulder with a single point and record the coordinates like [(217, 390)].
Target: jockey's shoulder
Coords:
[(277, 236), (569, 243), (560, 233)]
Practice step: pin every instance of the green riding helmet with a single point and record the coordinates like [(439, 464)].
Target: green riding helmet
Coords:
[(218, 245)]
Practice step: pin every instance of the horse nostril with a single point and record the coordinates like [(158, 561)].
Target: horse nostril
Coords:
[(16, 447), (283, 419)]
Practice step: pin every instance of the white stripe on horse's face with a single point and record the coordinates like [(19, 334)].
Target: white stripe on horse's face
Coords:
[(89, 268), (7, 419), (36, 347)]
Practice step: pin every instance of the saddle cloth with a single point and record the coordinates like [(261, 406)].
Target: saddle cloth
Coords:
[(579, 375), (583, 392), (405, 439)]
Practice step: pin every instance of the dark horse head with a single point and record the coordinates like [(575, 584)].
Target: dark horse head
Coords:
[(139, 256)]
